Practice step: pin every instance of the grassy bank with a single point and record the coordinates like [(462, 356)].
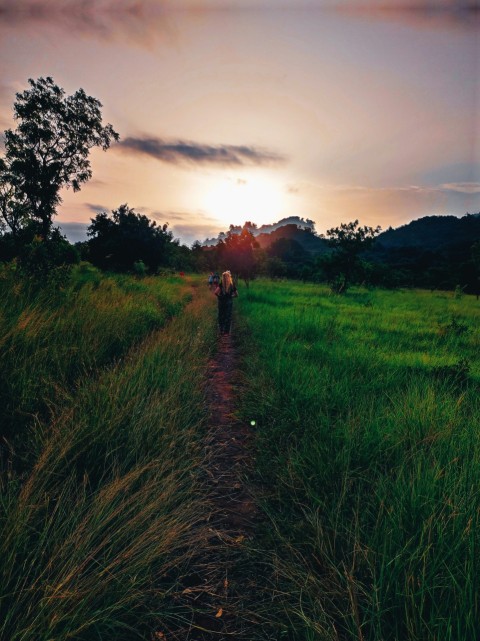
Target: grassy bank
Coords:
[(98, 530), (367, 412)]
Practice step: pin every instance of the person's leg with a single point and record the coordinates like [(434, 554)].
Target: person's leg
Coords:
[(228, 314), (221, 315)]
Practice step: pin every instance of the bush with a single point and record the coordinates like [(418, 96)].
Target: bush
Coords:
[(48, 260), (139, 269)]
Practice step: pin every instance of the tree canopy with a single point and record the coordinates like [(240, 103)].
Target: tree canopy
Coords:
[(48, 150), (348, 241), (120, 239), (237, 254)]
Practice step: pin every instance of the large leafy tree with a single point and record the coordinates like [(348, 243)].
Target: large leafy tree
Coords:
[(120, 239), (13, 208), (48, 150), (237, 253), (348, 241)]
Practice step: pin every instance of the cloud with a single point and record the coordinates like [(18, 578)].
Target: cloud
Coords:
[(97, 209), (390, 205), (140, 21), (292, 189), (168, 217), (181, 152), (457, 187), (464, 188), (440, 14)]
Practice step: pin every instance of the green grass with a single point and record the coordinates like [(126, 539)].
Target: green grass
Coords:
[(368, 458), (50, 340), (97, 533), (367, 411)]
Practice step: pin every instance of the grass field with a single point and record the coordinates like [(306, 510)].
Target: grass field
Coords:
[(102, 512), (367, 414), (366, 411)]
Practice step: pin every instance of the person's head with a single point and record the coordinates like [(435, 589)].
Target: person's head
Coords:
[(227, 280)]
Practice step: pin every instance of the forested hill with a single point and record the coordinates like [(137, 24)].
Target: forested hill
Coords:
[(304, 237), (432, 233)]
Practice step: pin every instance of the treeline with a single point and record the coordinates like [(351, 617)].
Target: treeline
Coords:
[(49, 150), (448, 268), (351, 254), (125, 241)]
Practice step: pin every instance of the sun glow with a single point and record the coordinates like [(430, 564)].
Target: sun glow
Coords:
[(237, 200)]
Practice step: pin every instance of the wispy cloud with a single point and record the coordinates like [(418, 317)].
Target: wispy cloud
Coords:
[(458, 187), (464, 188), (442, 14), (96, 209), (181, 152), (168, 217), (139, 21)]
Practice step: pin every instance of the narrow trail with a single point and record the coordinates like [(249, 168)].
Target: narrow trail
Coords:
[(229, 447), (215, 586)]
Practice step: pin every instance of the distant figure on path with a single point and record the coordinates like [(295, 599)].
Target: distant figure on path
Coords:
[(225, 292)]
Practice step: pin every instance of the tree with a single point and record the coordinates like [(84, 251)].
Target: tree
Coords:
[(476, 264), (48, 150), (348, 241), (13, 209), (119, 240), (237, 254)]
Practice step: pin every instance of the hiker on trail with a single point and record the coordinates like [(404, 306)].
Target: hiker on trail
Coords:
[(225, 292), (210, 280), (216, 280)]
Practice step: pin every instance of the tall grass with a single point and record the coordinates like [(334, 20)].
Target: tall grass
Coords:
[(367, 410), (97, 535), (51, 339)]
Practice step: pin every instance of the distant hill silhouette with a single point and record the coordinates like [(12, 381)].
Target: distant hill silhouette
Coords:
[(306, 238), (432, 233), (296, 221), (432, 252)]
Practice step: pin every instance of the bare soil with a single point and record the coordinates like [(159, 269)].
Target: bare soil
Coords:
[(214, 587)]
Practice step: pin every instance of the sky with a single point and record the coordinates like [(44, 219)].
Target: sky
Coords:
[(236, 110)]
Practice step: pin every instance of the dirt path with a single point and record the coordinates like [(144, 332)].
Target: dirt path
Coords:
[(216, 586)]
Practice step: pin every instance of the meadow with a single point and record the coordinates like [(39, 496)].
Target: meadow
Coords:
[(103, 409), (368, 458)]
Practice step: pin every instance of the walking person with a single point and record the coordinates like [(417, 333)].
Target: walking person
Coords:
[(225, 292)]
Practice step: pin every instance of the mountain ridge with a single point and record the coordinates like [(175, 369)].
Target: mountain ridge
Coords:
[(431, 233)]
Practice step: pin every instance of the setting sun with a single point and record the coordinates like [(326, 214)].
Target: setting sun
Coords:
[(236, 200)]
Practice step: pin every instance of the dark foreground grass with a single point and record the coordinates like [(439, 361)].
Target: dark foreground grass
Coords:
[(368, 415), (50, 340), (97, 533)]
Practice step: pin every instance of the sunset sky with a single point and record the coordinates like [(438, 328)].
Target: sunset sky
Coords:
[(235, 111)]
